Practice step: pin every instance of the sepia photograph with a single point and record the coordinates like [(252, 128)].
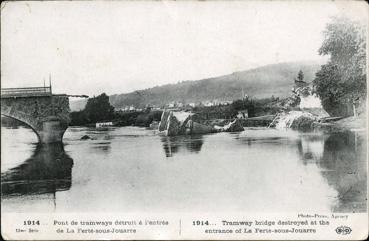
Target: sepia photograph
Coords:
[(210, 108)]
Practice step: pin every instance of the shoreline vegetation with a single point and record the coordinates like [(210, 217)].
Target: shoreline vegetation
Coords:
[(264, 113)]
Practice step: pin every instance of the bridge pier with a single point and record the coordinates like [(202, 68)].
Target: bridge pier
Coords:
[(51, 132)]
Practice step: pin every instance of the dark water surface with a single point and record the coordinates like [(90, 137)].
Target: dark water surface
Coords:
[(131, 169)]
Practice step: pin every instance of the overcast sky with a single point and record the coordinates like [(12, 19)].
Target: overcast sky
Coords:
[(92, 47)]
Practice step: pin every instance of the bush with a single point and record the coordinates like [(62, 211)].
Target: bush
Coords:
[(145, 119), (78, 118)]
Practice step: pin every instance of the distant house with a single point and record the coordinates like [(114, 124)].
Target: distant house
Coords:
[(171, 105), (209, 103), (192, 104), (103, 124), (225, 102)]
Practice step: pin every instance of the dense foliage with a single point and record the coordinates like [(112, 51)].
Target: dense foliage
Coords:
[(254, 107), (146, 118), (127, 118), (342, 81), (97, 109), (243, 104), (78, 118)]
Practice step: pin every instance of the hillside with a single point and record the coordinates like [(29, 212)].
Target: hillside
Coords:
[(262, 82)]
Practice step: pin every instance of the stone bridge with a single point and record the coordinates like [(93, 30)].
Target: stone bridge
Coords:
[(46, 114)]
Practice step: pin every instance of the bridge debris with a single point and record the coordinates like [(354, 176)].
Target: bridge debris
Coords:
[(183, 123), (234, 126)]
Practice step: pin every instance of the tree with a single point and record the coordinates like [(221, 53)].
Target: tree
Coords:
[(240, 104), (99, 109), (300, 76), (342, 81), (244, 104), (330, 89), (78, 118)]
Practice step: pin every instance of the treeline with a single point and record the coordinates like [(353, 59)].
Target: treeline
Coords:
[(253, 107), (98, 109), (137, 118)]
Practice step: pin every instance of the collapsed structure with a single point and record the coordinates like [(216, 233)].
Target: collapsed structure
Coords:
[(174, 123)]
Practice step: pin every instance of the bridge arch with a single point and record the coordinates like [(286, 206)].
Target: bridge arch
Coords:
[(47, 116), (25, 123)]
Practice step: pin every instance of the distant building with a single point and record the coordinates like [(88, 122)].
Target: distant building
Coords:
[(192, 104), (209, 103), (227, 102), (171, 105), (103, 124)]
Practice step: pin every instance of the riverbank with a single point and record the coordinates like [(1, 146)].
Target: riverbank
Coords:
[(352, 123), (345, 124)]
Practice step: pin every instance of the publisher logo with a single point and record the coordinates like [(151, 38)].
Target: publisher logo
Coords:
[(344, 230)]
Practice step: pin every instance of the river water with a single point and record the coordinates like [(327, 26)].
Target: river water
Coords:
[(130, 169)]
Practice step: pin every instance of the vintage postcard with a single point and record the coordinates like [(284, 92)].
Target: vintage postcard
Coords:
[(184, 120)]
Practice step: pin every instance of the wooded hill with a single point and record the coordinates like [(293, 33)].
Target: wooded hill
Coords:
[(262, 82)]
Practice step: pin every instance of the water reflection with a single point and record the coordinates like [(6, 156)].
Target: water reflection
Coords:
[(259, 166), (174, 144), (101, 139), (311, 147), (341, 158), (47, 171), (103, 146)]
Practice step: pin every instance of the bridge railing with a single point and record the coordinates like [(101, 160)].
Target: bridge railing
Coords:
[(29, 91)]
